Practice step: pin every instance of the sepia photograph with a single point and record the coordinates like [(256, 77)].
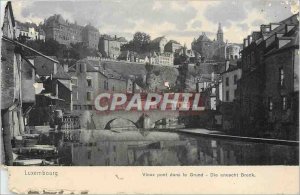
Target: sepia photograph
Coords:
[(149, 83)]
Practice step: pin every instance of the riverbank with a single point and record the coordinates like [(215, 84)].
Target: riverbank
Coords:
[(219, 134)]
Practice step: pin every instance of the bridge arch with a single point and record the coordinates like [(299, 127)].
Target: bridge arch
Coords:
[(140, 120), (108, 124)]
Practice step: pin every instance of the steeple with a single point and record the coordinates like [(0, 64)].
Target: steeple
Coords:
[(220, 34), (220, 28)]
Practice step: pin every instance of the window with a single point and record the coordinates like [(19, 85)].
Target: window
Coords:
[(281, 76), (284, 103), (252, 59), (227, 95), (227, 81), (235, 93), (74, 107), (89, 96), (105, 85), (270, 104), (89, 154), (248, 60), (89, 82), (234, 79)]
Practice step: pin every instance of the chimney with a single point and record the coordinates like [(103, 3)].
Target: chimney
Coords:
[(54, 68), (245, 42), (81, 67)]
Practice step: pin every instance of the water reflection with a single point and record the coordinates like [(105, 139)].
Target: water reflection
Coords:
[(134, 148)]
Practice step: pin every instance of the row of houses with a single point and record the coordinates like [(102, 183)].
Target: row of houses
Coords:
[(258, 95), (269, 85), (153, 58), (29, 31), (89, 78), (37, 89), (20, 84)]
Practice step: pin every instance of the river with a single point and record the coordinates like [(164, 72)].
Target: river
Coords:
[(154, 148)]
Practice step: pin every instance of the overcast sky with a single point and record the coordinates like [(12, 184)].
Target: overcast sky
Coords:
[(181, 20)]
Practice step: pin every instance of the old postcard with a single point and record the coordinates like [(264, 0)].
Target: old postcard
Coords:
[(150, 96)]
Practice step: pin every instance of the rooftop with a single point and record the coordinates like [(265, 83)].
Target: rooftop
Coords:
[(203, 37)]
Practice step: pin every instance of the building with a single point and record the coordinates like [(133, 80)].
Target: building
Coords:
[(89, 79), (261, 80), (229, 104), (87, 83), (209, 49), (29, 31), (164, 59), (184, 55), (55, 94), (64, 32), (229, 82), (18, 85), (116, 83), (158, 44), (233, 51), (90, 37), (128, 56), (172, 46), (12, 64), (110, 47), (281, 94), (216, 49), (153, 58)]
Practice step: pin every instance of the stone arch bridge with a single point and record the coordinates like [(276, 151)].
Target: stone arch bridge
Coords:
[(141, 120)]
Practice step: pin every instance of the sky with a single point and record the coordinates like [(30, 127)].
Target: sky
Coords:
[(180, 20)]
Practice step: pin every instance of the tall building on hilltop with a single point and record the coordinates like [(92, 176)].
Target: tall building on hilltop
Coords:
[(64, 32), (90, 36), (216, 49)]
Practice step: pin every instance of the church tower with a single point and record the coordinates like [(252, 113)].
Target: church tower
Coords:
[(220, 34)]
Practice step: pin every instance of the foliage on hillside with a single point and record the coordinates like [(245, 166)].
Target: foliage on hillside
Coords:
[(52, 48)]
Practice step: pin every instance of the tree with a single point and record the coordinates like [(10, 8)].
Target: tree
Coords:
[(53, 48), (79, 51), (140, 43), (50, 47)]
